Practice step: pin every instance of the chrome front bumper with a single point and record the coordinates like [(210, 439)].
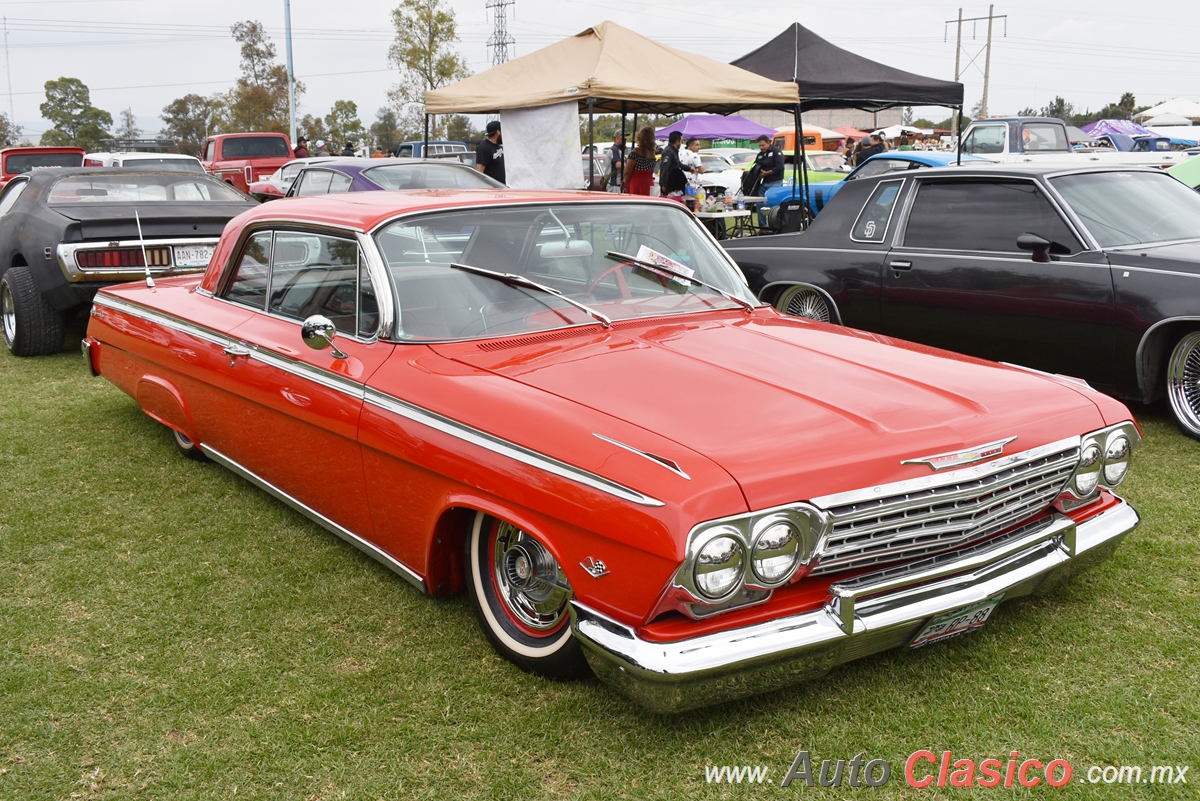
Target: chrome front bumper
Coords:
[(864, 615)]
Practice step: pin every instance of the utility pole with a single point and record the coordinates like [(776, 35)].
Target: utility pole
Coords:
[(500, 40), (987, 66), (287, 22), (957, 75), (958, 46)]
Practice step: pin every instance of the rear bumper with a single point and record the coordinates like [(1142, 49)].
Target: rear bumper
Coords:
[(863, 616)]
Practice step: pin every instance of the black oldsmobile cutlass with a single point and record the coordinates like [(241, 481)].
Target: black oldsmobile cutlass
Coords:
[(1092, 272)]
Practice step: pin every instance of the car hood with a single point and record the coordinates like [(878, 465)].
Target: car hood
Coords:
[(1182, 256), (793, 409)]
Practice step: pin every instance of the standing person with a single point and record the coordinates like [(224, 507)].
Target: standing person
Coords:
[(639, 167), (616, 160), (770, 164), (489, 154), (904, 145), (671, 177), (868, 146), (301, 150), (348, 150), (322, 150), (689, 157)]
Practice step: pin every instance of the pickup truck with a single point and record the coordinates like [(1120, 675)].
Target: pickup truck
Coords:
[(1018, 139), (243, 158), (16, 161), (439, 148)]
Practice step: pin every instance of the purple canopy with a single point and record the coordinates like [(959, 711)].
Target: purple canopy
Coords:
[(1126, 127), (714, 126)]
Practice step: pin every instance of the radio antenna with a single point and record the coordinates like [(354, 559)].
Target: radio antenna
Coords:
[(142, 242)]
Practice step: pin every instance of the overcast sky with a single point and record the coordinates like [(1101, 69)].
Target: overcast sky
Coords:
[(141, 54)]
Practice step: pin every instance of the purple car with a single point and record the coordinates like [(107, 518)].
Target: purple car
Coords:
[(367, 175)]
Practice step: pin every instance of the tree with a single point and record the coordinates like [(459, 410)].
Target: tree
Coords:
[(313, 128), (386, 130), (190, 120), (128, 128), (906, 116), (259, 102), (76, 121), (10, 133), (1059, 108), (458, 129), (342, 121), (923, 123), (421, 51)]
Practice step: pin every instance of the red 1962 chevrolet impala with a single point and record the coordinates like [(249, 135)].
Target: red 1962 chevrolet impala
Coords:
[(573, 408)]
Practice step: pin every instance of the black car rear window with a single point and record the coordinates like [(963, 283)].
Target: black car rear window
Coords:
[(147, 187), (18, 163), (988, 215), (249, 147)]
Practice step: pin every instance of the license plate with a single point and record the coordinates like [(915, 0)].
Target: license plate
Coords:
[(955, 624), (193, 255)]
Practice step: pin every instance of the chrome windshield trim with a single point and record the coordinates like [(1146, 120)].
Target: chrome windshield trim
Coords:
[(944, 479), (505, 448), (405, 572), (658, 460)]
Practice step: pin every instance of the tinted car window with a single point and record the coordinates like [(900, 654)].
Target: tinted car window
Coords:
[(18, 163), (1128, 208), (961, 214), (428, 176), (873, 221), (248, 147)]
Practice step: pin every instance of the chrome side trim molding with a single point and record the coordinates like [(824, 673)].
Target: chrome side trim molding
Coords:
[(165, 320), (397, 566), (661, 461), (505, 448)]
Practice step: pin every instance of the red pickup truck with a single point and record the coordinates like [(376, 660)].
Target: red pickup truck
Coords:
[(15, 161), (243, 158)]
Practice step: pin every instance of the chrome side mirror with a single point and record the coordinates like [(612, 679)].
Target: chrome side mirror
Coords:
[(318, 332)]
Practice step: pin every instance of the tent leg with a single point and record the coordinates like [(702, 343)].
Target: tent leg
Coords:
[(425, 145), (801, 158), (591, 146)]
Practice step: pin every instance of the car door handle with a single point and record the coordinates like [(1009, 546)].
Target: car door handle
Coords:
[(233, 351), (900, 265)]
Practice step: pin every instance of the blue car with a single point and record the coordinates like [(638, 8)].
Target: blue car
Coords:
[(819, 194), (366, 175)]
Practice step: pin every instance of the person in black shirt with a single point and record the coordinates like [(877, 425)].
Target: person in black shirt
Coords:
[(671, 178), (489, 154), (770, 164)]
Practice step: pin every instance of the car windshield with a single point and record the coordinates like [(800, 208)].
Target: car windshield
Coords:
[(428, 176), (18, 163), (830, 162), (100, 187), (1131, 208), (742, 158), (565, 247)]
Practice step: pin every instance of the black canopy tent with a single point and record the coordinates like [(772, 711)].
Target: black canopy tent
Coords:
[(831, 77)]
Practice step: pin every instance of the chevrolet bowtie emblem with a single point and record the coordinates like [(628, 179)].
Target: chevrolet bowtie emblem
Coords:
[(943, 461)]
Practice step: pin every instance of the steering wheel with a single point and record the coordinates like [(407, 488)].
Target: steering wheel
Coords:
[(622, 284)]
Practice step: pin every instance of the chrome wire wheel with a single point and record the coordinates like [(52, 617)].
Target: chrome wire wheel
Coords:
[(522, 599), (1183, 384), (803, 301)]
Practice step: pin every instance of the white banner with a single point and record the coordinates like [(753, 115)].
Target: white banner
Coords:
[(541, 147)]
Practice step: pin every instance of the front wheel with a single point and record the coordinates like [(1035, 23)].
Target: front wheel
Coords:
[(32, 327), (803, 301), (521, 597), (1183, 384)]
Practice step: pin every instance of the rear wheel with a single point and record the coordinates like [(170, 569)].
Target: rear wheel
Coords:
[(521, 597), (188, 448), (1183, 384), (32, 327), (803, 301)]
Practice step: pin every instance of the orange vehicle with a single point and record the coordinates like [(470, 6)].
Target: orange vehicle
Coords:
[(785, 140)]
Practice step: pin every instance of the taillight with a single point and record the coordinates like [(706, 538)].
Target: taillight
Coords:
[(249, 174), (93, 163), (122, 257)]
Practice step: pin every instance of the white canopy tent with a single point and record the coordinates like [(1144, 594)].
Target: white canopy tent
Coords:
[(1179, 105)]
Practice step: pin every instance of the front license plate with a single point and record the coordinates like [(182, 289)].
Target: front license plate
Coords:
[(193, 255), (955, 624)]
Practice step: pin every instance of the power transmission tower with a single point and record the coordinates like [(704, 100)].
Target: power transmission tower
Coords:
[(987, 48), (500, 40)]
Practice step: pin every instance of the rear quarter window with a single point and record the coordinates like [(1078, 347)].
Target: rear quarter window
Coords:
[(876, 216)]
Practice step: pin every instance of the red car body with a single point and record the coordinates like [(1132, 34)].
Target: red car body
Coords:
[(16, 161), (904, 483), (244, 158)]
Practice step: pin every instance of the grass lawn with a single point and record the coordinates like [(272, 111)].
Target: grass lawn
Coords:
[(169, 631)]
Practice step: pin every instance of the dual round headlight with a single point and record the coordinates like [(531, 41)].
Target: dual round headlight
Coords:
[(719, 566), (1103, 460), (758, 553), (776, 550)]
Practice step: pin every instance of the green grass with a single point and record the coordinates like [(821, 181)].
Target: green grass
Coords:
[(169, 631)]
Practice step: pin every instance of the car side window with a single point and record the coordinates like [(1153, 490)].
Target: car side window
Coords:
[(876, 216), (339, 183), (11, 193), (316, 274), (313, 182), (405, 151), (986, 139), (210, 150), (249, 283), (984, 215)]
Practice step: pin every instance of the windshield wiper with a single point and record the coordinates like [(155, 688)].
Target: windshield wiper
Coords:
[(649, 265), (520, 280)]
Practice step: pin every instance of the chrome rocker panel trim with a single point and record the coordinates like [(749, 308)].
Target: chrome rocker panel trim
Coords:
[(398, 567), (865, 615)]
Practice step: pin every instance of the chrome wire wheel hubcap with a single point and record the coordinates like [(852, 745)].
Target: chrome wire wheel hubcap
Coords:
[(804, 302), (1183, 382), (8, 313), (531, 584)]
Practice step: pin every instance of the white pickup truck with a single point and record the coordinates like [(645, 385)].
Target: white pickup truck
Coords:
[(1017, 139)]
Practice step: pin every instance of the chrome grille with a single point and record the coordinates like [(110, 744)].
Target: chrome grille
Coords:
[(942, 513)]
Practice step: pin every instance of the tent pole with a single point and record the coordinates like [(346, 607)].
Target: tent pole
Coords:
[(425, 145), (624, 140), (801, 158), (591, 146)]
